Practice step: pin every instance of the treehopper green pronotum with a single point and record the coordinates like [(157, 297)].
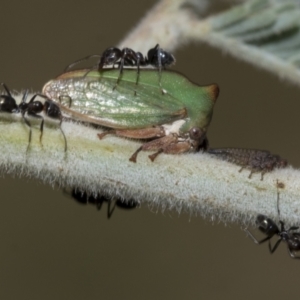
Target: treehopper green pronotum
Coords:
[(175, 121)]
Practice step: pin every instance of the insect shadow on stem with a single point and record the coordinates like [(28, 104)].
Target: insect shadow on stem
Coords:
[(98, 200), (268, 227)]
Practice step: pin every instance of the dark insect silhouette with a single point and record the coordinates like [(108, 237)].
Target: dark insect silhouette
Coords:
[(268, 227), (84, 198)]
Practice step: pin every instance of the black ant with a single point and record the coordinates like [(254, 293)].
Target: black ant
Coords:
[(84, 198), (31, 108), (270, 228), (156, 57)]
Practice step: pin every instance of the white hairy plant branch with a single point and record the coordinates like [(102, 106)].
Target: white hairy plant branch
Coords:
[(196, 183)]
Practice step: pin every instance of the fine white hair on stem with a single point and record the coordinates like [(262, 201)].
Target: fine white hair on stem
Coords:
[(195, 183)]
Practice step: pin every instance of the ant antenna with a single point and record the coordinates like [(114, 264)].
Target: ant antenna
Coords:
[(279, 185), (67, 68)]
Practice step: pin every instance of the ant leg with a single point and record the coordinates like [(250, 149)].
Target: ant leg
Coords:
[(62, 132), (41, 126), (254, 239), (99, 204), (90, 70), (79, 61), (6, 89), (137, 75), (159, 65), (25, 96), (30, 131), (110, 210), (292, 254), (121, 66), (272, 250), (41, 130), (159, 68)]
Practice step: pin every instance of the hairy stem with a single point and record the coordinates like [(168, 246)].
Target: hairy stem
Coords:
[(196, 183)]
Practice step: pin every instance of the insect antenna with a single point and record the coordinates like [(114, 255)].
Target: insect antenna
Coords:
[(70, 66), (278, 210), (64, 136), (89, 71)]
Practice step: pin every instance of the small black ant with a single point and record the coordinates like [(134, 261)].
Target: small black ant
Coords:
[(84, 198), (156, 57), (31, 108), (270, 228)]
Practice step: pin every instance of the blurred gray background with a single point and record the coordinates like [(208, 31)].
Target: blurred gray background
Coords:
[(53, 248)]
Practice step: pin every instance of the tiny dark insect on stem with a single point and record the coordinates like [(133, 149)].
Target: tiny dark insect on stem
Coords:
[(257, 161), (269, 228)]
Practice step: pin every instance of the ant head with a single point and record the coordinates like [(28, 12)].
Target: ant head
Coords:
[(8, 104), (167, 59), (110, 56), (159, 57)]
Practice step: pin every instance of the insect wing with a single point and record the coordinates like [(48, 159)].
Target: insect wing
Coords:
[(94, 97)]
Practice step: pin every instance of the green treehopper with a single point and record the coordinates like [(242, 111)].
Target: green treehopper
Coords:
[(175, 121)]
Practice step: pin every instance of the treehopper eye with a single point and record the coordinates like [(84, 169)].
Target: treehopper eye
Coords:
[(174, 122)]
